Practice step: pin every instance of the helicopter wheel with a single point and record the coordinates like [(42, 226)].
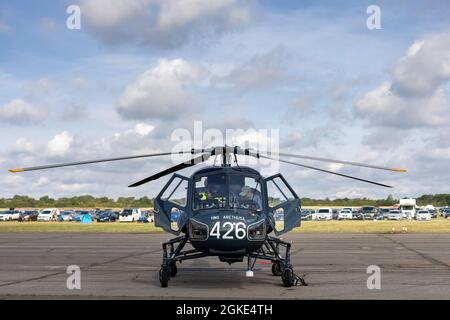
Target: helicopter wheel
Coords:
[(173, 270), (287, 277), (277, 269), (164, 276)]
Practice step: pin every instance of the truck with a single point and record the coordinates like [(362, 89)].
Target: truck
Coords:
[(408, 207)]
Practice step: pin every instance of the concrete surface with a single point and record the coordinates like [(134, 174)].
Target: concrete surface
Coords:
[(413, 266)]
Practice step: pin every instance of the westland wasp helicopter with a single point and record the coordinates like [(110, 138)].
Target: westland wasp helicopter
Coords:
[(227, 211)]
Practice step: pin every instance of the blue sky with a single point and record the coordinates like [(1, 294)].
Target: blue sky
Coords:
[(139, 69)]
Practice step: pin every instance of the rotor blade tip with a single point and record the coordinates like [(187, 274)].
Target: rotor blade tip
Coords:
[(401, 170), (16, 170)]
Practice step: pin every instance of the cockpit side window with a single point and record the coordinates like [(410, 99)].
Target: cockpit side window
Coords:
[(176, 192), (278, 192)]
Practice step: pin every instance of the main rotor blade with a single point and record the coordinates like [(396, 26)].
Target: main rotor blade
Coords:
[(51, 166), (173, 169), (326, 171), (333, 161)]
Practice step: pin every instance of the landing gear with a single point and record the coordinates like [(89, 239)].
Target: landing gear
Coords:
[(270, 250), (164, 276), (281, 266), (173, 270), (277, 269), (287, 277), (172, 253)]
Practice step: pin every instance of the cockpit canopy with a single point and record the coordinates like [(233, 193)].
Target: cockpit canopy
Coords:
[(231, 190), (215, 189)]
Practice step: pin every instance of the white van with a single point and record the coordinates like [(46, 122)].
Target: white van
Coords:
[(50, 214), (325, 214), (130, 215)]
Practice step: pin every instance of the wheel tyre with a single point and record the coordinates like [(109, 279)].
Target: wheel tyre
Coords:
[(173, 270), (164, 276), (287, 277), (277, 269)]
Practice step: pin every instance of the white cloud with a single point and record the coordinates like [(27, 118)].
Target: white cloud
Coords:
[(60, 145), (163, 23), (424, 68), (162, 92), (143, 129), (382, 106), (19, 112), (415, 96), (23, 145)]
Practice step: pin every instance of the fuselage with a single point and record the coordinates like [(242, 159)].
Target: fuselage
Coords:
[(226, 212)]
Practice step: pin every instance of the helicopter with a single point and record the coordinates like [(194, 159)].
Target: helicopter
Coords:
[(227, 211)]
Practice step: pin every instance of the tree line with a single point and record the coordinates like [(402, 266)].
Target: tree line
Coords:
[(85, 201), (88, 201)]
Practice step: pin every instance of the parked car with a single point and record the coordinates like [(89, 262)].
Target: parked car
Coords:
[(144, 217), (9, 215), (67, 215), (369, 212), (433, 213), (357, 215), (325, 214), (50, 214), (395, 215), (107, 216), (335, 214), (423, 215), (306, 215), (384, 213), (29, 215), (345, 214), (130, 215)]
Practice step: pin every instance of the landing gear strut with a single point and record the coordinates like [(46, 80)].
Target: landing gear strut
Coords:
[(172, 253), (281, 266), (270, 250)]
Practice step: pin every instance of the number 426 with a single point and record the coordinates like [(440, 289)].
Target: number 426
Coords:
[(238, 228)]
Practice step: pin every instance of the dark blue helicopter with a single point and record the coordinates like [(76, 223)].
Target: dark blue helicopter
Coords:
[(227, 211)]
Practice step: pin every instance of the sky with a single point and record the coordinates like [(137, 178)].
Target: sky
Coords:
[(307, 77)]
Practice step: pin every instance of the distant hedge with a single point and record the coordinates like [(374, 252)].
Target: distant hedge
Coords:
[(439, 200), (85, 201)]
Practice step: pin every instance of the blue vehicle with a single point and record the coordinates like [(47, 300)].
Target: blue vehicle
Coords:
[(107, 216), (66, 215), (147, 217)]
